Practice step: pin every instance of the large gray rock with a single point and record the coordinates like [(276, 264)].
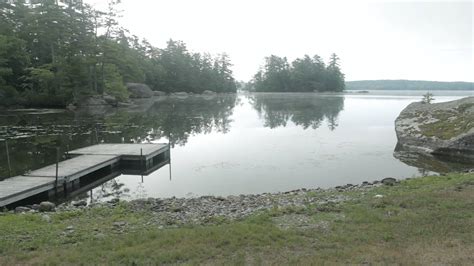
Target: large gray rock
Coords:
[(139, 90), (441, 128), (159, 93), (110, 100)]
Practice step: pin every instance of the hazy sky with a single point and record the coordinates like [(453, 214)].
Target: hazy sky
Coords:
[(374, 39)]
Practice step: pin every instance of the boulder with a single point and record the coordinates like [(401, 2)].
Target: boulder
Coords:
[(139, 90), (208, 92), (110, 100), (159, 93), (80, 203), (440, 128), (46, 206), (180, 94), (71, 107), (389, 181), (22, 209)]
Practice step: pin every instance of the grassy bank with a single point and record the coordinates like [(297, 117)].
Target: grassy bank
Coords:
[(426, 220)]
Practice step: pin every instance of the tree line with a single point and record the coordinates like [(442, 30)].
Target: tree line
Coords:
[(55, 52), (305, 74), (408, 85)]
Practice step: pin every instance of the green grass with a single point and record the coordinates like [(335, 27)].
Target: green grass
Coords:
[(426, 220)]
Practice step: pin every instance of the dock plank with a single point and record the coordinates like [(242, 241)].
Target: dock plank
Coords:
[(81, 165), (83, 162), (21, 187), (148, 149)]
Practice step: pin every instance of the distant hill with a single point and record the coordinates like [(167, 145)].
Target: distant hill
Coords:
[(407, 85)]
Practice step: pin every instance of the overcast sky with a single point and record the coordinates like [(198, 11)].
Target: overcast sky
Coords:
[(374, 39)]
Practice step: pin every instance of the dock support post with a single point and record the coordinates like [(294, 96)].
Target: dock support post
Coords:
[(57, 170), (169, 157), (170, 170), (8, 160), (141, 162), (96, 135)]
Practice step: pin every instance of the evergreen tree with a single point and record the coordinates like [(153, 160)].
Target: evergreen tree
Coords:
[(53, 53), (306, 74)]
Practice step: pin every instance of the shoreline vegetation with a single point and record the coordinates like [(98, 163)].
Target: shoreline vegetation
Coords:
[(57, 54), (53, 54), (425, 220)]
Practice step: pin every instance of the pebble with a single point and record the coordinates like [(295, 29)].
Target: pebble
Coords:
[(46, 218), (171, 212), (99, 235), (80, 203), (119, 224)]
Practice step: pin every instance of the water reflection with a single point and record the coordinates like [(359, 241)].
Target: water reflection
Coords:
[(305, 110), (176, 119), (432, 163), (230, 144), (33, 136)]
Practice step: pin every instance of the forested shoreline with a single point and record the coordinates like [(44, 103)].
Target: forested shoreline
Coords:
[(54, 53)]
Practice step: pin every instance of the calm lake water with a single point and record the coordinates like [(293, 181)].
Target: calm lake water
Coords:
[(235, 144)]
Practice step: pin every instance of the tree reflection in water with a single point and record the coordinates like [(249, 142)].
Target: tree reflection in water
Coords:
[(176, 119), (33, 138), (307, 110)]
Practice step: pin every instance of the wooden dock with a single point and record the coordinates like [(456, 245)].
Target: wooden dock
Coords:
[(98, 160)]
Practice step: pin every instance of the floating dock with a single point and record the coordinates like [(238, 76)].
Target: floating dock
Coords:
[(81, 164)]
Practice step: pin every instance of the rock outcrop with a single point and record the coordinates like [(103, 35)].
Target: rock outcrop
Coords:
[(441, 128), (159, 93), (110, 100), (180, 94), (139, 90), (208, 92)]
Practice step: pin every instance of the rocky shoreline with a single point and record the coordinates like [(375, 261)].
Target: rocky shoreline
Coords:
[(172, 212)]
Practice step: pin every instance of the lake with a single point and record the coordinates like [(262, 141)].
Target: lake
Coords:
[(235, 144)]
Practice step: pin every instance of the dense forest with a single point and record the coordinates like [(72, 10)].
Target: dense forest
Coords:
[(407, 85), (305, 74), (53, 53)]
